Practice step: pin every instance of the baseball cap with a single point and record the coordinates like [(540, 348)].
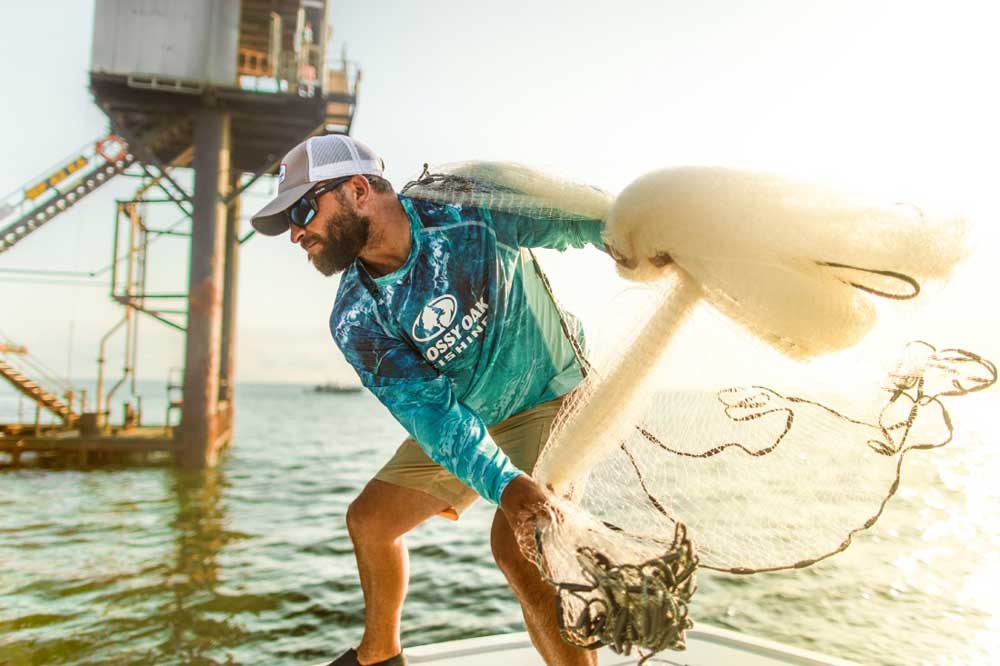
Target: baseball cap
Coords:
[(317, 159)]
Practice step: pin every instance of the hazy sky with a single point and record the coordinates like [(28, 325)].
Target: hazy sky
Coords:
[(887, 97)]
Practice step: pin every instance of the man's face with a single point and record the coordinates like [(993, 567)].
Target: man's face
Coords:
[(336, 234)]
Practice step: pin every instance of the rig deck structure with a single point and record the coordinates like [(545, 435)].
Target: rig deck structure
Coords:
[(225, 88), (144, 444)]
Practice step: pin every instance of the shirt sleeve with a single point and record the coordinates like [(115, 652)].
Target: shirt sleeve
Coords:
[(554, 233), (424, 403)]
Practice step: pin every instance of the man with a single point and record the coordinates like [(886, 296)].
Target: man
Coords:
[(445, 320)]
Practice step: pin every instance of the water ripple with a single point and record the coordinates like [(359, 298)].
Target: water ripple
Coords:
[(251, 563)]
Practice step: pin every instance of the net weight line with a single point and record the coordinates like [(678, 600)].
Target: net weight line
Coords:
[(643, 606)]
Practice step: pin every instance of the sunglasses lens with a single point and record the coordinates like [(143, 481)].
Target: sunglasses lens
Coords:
[(301, 213)]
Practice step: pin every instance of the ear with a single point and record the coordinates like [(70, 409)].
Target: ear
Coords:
[(360, 190)]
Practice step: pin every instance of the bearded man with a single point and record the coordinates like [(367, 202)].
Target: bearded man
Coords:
[(445, 320)]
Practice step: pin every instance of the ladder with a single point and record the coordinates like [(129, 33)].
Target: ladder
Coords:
[(60, 188), (31, 389)]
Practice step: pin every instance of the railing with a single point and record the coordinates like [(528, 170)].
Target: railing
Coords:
[(56, 395), (297, 76), (33, 364), (342, 76), (16, 202)]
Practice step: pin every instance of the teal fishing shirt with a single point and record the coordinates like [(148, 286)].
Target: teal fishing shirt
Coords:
[(464, 333)]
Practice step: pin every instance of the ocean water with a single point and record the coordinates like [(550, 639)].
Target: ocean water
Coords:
[(251, 564)]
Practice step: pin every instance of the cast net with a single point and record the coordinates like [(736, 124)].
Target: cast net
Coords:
[(795, 309)]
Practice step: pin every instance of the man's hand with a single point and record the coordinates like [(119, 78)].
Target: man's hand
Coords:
[(522, 502)]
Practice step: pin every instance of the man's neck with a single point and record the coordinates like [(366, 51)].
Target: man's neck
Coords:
[(388, 247)]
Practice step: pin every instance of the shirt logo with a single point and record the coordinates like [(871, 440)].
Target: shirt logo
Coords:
[(281, 174), (435, 318)]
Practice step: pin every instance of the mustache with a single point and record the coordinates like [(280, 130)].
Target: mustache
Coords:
[(308, 239)]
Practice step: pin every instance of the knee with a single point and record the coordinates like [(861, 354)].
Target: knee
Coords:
[(373, 519), (363, 523), (355, 517)]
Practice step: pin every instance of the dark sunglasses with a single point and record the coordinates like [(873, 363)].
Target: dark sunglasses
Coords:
[(303, 210)]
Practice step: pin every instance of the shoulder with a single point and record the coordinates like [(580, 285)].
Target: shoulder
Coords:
[(436, 215)]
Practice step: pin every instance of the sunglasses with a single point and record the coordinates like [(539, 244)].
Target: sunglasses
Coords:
[(302, 211)]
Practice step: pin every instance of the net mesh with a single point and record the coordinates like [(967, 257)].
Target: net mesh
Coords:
[(795, 449), (512, 188)]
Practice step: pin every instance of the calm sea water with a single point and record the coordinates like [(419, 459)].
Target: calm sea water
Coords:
[(251, 563)]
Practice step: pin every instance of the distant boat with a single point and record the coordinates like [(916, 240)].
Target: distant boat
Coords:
[(336, 388)]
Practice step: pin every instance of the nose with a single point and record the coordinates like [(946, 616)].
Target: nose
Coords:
[(295, 232)]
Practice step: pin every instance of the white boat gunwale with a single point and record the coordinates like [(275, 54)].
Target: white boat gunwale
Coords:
[(704, 636)]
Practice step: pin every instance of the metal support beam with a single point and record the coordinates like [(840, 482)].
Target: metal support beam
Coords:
[(182, 202), (202, 432), (169, 232), (155, 314), (141, 147), (229, 289)]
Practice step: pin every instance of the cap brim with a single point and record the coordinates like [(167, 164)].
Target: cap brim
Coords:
[(271, 220)]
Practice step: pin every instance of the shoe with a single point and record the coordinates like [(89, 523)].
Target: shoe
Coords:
[(350, 658)]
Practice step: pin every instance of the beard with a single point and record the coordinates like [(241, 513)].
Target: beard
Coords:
[(346, 234)]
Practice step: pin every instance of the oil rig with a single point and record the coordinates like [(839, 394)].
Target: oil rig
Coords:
[(224, 88)]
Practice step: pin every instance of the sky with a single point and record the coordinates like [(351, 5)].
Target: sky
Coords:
[(887, 98)]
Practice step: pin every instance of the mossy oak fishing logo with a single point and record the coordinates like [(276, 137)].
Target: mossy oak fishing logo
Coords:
[(435, 318), (439, 321)]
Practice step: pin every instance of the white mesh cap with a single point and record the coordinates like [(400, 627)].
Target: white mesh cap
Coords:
[(315, 160), (337, 155)]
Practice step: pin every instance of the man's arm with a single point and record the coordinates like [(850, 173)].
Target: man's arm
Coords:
[(449, 432), (550, 232)]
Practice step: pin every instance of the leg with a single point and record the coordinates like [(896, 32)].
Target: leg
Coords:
[(537, 600), (377, 521)]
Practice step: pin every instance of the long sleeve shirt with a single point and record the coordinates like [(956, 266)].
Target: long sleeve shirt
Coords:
[(463, 334)]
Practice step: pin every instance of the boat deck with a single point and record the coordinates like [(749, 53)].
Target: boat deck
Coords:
[(706, 646)]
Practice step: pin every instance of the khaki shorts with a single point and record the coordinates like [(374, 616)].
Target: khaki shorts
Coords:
[(521, 437)]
